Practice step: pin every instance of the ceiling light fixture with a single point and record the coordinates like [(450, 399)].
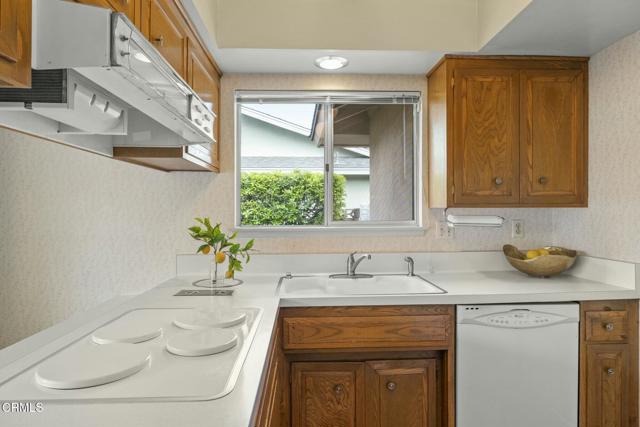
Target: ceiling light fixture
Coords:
[(331, 62)]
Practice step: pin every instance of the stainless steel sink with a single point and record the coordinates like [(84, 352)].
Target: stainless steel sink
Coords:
[(383, 284)]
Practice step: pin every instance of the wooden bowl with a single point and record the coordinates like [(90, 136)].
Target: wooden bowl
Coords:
[(558, 261)]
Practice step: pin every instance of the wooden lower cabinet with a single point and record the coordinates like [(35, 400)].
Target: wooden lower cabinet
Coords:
[(607, 377), (401, 393), (384, 366), (273, 403), (385, 393), (327, 394), (609, 364)]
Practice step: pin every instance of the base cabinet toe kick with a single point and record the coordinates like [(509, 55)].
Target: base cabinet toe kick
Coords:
[(396, 366)]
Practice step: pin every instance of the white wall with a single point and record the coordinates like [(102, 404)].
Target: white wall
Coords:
[(610, 227), (77, 228)]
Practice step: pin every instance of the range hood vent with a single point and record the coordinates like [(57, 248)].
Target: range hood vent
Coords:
[(95, 75)]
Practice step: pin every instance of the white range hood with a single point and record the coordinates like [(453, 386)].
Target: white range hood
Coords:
[(98, 83)]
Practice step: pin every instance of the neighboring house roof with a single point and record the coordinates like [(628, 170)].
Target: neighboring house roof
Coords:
[(298, 118), (343, 165)]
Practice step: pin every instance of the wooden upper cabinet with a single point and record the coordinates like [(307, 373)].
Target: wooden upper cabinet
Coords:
[(327, 394), (168, 33), (485, 127), (553, 140), (508, 131), (15, 43), (401, 393)]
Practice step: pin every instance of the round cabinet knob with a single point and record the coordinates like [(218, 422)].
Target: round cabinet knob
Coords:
[(611, 371), (498, 180), (609, 326), (391, 386), (543, 180), (338, 388)]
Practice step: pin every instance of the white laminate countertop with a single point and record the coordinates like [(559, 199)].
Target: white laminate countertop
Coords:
[(235, 409)]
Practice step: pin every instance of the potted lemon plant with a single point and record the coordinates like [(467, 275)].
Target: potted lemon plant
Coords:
[(223, 247)]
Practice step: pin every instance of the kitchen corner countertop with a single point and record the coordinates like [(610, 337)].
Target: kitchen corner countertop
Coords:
[(236, 408)]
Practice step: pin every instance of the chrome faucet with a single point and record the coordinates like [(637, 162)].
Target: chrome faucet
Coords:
[(352, 264), (409, 262)]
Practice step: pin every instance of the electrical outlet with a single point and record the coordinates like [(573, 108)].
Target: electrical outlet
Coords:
[(517, 228), (444, 231)]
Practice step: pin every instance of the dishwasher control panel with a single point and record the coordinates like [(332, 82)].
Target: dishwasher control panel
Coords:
[(520, 319), (511, 317)]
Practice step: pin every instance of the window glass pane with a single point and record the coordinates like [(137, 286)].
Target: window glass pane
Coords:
[(373, 162), (281, 164)]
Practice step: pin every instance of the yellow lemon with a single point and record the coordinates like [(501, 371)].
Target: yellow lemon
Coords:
[(206, 250), (532, 254), (542, 252), (220, 257), (229, 274)]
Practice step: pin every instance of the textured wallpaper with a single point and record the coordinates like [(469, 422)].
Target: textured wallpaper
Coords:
[(610, 227), (78, 228)]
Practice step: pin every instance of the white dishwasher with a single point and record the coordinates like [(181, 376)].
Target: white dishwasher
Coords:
[(517, 365)]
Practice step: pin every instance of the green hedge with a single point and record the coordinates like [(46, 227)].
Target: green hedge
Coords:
[(295, 198)]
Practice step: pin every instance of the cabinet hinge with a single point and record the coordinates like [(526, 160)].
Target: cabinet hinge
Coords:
[(453, 190)]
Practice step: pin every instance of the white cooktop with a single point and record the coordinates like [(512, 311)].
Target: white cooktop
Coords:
[(143, 355)]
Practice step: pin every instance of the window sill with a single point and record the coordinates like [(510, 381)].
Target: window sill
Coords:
[(330, 231)]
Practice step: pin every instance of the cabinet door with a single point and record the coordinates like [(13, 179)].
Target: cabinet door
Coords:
[(327, 394), (168, 33), (401, 393), (273, 409), (606, 386), (485, 137), (204, 79), (15, 43), (553, 139)]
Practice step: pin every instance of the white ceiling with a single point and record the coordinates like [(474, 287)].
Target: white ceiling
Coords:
[(401, 36), (302, 61), (567, 27)]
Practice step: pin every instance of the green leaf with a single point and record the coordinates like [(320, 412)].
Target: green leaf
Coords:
[(201, 248)]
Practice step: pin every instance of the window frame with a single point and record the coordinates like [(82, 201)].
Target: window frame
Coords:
[(330, 98)]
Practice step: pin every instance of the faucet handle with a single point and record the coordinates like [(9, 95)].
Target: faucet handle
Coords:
[(410, 264)]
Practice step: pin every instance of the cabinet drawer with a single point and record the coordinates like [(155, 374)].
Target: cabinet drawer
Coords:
[(606, 326), (335, 332)]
